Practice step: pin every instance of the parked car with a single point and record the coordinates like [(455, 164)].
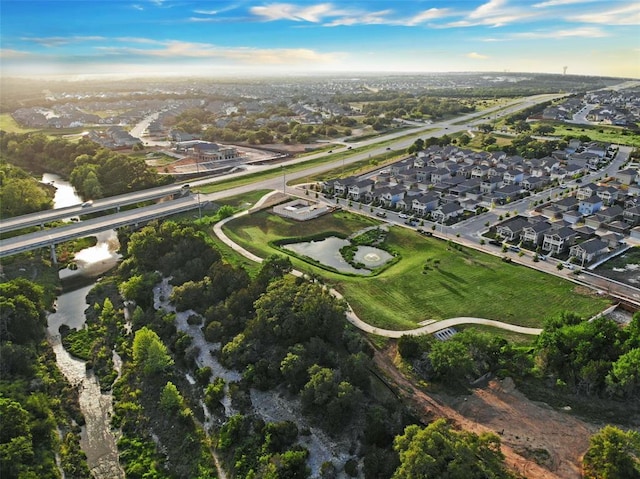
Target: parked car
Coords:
[(542, 257), (568, 265), (381, 214), (495, 242), (404, 216)]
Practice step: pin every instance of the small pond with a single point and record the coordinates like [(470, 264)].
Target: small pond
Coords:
[(327, 252)]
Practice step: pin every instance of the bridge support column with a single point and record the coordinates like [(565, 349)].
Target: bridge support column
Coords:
[(118, 209), (54, 258)]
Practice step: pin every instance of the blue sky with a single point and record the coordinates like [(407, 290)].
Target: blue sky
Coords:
[(221, 37)]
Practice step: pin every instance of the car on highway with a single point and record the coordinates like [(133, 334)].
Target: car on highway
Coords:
[(86, 204)]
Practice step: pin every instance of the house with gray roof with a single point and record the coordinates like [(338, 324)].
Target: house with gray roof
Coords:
[(557, 240), (589, 250)]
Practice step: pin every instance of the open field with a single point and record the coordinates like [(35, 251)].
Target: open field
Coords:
[(8, 124), (434, 279), (607, 134)]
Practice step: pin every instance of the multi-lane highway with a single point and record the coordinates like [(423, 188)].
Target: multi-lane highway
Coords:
[(403, 139), (53, 236), (112, 203)]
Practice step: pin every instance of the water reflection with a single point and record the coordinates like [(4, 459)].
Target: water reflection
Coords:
[(327, 252), (65, 193), (97, 439)]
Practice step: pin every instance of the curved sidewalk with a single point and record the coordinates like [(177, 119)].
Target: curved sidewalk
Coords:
[(351, 316)]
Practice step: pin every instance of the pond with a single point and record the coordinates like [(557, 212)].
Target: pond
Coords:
[(327, 252)]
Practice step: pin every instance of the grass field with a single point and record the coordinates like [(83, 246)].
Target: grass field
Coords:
[(455, 282), (607, 134), (8, 124)]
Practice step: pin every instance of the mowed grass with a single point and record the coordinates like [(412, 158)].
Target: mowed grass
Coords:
[(457, 282)]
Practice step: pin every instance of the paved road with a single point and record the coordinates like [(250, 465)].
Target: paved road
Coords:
[(351, 316)]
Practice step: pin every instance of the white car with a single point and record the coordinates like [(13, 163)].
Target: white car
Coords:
[(403, 216)]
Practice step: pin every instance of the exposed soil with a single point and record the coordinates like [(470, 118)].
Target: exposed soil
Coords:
[(537, 441)]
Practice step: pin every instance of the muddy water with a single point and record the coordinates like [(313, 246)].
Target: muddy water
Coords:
[(97, 439)]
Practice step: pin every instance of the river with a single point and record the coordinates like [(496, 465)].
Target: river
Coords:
[(97, 438)]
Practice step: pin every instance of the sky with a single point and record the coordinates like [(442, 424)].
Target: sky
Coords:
[(84, 38)]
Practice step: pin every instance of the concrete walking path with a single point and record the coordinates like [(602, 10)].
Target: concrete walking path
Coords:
[(351, 316)]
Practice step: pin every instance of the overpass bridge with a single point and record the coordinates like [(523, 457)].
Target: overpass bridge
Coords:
[(51, 237), (114, 202)]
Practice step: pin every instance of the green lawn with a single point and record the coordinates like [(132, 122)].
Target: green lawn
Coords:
[(8, 124), (457, 282)]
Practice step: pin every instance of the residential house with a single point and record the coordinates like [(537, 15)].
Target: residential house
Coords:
[(586, 191), (341, 185), (627, 176), (590, 205), (557, 240), (609, 194), (512, 177), (446, 212), (508, 192), (532, 183), (440, 175), (491, 184), (480, 171), (534, 233), (357, 190), (568, 203), (389, 196), (632, 215), (424, 204), (589, 250), (511, 229)]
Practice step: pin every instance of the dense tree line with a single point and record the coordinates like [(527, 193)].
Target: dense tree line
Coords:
[(613, 454), (20, 193), (282, 333), (592, 358), (94, 172), (415, 107), (36, 401)]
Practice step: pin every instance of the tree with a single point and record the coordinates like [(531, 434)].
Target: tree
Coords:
[(16, 446), (613, 454), (450, 360), (149, 352), (440, 451), (170, 398), (624, 378)]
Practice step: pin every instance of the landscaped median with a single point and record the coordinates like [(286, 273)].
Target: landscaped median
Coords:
[(434, 279)]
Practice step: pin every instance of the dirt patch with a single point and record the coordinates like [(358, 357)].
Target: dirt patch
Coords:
[(537, 441), (552, 439)]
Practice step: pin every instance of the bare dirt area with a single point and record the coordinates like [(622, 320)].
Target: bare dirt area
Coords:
[(537, 441)]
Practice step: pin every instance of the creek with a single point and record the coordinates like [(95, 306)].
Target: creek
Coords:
[(97, 438)]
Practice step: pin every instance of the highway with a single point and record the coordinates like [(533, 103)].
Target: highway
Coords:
[(114, 202), (54, 236), (85, 228)]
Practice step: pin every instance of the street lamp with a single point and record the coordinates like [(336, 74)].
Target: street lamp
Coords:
[(198, 191)]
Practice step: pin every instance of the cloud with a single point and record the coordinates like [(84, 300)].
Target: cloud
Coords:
[(583, 32), (51, 42), (559, 3), (476, 56), (8, 53), (288, 11), (494, 13), (179, 50), (628, 14), (427, 15), (372, 18)]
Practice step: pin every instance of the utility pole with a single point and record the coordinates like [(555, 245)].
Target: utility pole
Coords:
[(284, 180)]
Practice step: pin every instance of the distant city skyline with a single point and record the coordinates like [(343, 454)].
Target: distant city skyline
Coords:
[(251, 37)]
